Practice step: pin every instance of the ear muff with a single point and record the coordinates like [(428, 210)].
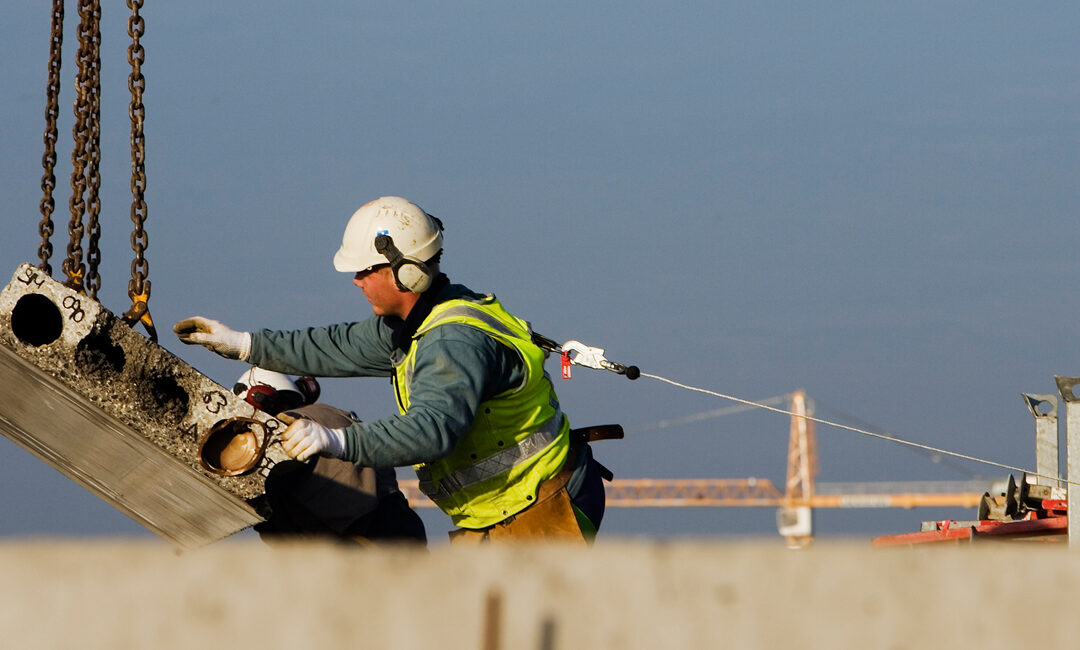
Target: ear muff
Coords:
[(409, 274), (268, 399), (309, 388)]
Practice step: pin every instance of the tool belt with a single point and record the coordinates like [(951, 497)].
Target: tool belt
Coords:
[(552, 517)]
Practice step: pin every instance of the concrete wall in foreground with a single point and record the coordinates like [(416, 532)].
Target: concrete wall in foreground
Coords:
[(248, 595)]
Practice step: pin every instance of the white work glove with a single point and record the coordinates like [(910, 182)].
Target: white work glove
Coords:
[(306, 438), (214, 336)]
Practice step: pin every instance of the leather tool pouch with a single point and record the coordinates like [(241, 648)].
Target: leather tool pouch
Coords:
[(550, 520)]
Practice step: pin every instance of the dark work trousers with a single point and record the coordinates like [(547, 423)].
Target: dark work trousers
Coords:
[(590, 498), (327, 497)]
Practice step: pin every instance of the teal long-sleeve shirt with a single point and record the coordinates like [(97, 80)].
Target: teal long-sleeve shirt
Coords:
[(457, 368)]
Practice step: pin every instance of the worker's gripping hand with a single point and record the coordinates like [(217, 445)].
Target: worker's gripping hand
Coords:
[(213, 335), (306, 438)]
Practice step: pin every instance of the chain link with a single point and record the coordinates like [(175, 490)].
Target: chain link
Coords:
[(139, 287), (93, 154), (136, 84), (48, 159), (72, 266)]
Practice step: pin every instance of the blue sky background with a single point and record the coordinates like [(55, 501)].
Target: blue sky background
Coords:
[(876, 203)]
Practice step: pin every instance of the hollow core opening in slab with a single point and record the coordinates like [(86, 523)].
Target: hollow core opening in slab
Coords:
[(169, 399), (232, 447), (99, 354), (36, 320)]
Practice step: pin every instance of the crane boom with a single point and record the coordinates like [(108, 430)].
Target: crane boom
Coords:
[(756, 492)]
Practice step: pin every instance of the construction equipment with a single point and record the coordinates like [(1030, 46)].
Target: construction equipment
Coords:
[(1023, 511), (763, 493), (1028, 510)]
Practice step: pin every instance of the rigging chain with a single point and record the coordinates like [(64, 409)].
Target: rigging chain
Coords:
[(81, 157), (48, 159), (93, 155), (139, 287), (86, 158)]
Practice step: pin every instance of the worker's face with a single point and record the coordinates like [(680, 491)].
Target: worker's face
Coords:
[(383, 293)]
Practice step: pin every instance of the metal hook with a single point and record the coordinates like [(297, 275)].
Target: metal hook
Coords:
[(590, 357)]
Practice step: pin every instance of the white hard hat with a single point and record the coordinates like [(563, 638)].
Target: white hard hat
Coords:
[(273, 391), (261, 377), (415, 233)]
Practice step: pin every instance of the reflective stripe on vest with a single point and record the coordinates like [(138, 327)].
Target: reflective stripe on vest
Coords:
[(464, 312), (491, 466), (471, 312)]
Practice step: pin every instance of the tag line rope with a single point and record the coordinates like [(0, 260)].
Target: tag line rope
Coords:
[(864, 432)]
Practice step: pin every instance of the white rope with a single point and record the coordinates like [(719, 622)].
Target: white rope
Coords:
[(706, 415), (935, 458), (857, 430)]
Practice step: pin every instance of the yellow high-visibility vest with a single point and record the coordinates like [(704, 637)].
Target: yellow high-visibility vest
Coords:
[(519, 438)]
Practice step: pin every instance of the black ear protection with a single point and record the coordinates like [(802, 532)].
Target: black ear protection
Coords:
[(309, 388), (268, 399), (409, 274)]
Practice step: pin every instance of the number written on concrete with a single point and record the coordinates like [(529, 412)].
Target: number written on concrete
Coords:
[(74, 305), (29, 277), (214, 400), (191, 430)]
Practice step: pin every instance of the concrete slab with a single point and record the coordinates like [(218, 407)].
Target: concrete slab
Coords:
[(120, 415)]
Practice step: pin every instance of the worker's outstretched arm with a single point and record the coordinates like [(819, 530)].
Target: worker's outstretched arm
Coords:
[(214, 336), (344, 350)]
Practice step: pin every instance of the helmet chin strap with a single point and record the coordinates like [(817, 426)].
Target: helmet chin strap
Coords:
[(409, 275)]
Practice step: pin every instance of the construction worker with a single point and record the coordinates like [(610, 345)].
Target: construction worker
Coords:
[(325, 497), (479, 419)]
